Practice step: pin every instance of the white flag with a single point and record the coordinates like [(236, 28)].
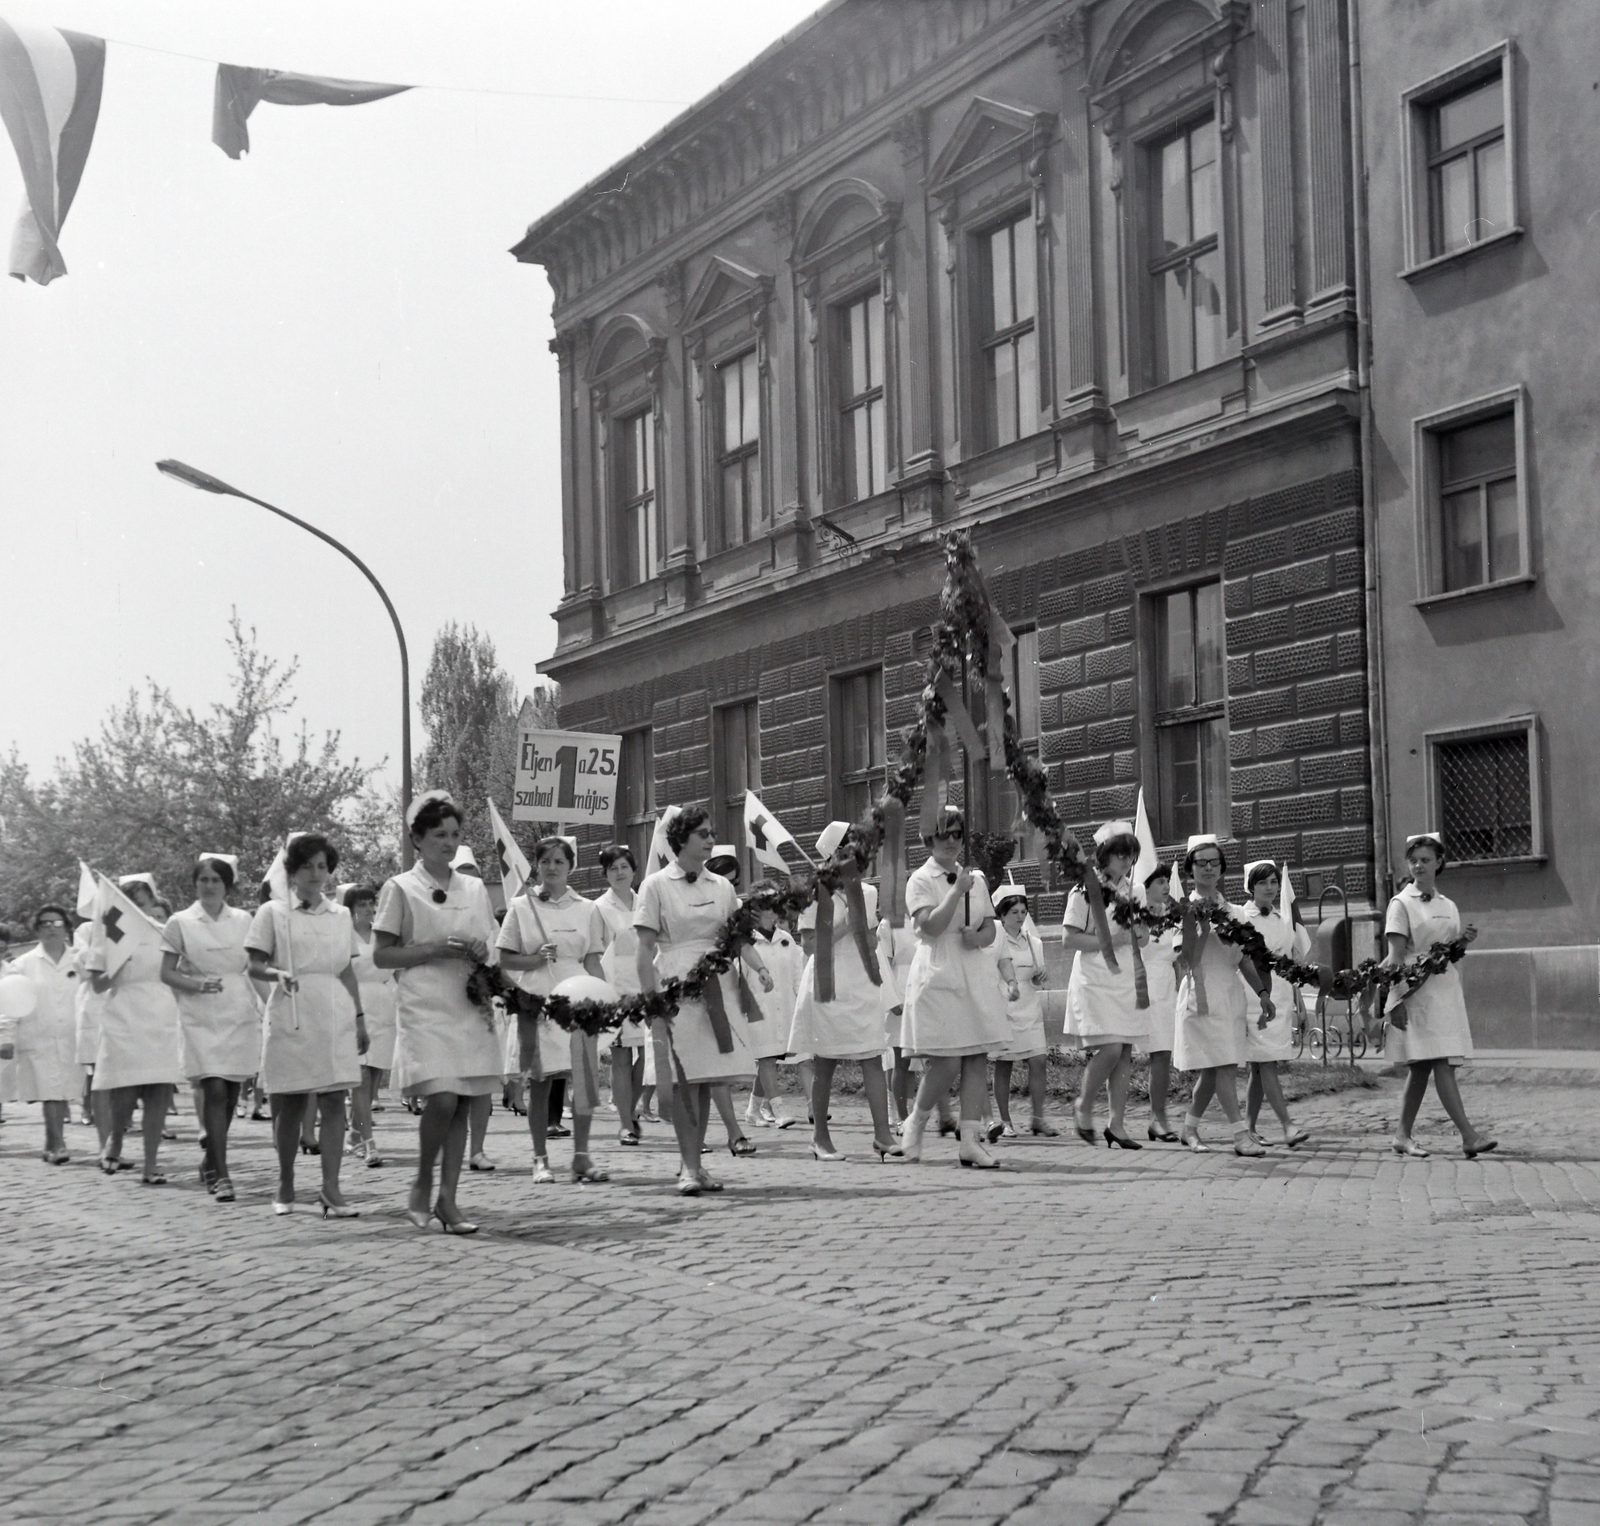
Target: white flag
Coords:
[(1148, 861), (120, 926), (88, 891), (515, 871), (660, 854), (766, 833)]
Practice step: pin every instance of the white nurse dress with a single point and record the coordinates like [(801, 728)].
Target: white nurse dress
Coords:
[(45, 1068), (952, 1004), (1436, 1014), (850, 1027), (222, 1030), (309, 1036)]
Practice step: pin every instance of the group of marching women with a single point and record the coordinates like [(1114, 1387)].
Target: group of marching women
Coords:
[(322, 997)]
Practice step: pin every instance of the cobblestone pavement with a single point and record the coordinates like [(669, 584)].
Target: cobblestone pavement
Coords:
[(1335, 1337)]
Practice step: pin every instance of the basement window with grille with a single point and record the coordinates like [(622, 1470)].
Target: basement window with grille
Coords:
[(1484, 792)]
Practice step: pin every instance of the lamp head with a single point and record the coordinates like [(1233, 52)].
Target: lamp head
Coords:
[(194, 477)]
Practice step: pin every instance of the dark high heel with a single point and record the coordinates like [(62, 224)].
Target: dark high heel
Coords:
[(331, 1210), (741, 1146), (1161, 1136), (1483, 1147), (887, 1153), (1117, 1142), (949, 1126), (310, 1149)]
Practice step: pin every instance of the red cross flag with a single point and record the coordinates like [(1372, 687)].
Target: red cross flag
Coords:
[(120, 927), (515, 871), (766, 833)]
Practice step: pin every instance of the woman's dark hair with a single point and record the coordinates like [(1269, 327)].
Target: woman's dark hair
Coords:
[(218, 866), (547, 845), (1188, 857), (1158, 873), (1259, 873), (1433, 848), (730, 870), (685, 824), (1124, 842), (359, 895), (46, 910), (949, 816), (430, 815), (306, 847), (617, 850), (263, 892)]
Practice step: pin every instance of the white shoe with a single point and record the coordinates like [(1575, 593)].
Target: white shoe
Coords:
[(1246, 1143), (542, 1174), (972, 1152), (481, 1162), (1191, 1137), (911, 1135)]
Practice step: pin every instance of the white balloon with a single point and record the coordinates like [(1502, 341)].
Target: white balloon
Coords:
[(587, 988), (19, 996)]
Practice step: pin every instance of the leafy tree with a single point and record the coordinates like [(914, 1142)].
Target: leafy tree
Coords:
[(162, 783)]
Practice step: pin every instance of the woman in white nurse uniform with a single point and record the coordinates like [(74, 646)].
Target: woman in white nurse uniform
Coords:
[(433, 925), (1019, 951), (850, 1026), (46, 1070), (208, 966), (954, 1017), (679, 913), (1266, 1048), (1429, 1031), (88, 1007), (1212, 1002), (620, 965), (1160, 958), (379, 996)]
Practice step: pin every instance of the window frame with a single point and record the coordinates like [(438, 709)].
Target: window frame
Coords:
[(1153, 268), (843, 402), (1020, 218), (727, 811), (622, 508), (747, 455), (874, 775), (1417, 106), (630, 824), (1162, 718), (1527, 726), (1426, 433)]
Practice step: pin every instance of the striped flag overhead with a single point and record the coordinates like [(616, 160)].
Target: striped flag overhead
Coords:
[(49, 101)]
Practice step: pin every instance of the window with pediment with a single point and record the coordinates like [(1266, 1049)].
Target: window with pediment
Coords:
[(988, 184), (725, 322), (625, 383), (1164, 100)]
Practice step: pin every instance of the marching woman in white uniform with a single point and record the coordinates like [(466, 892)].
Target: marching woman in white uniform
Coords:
[(137, 1060), (90, 1004), (1212, 1002), (954, 1018), (550, 934), (1019, 958), (850, 1026), (1160, 960), (1266, 1048), (315, 1032), (45, 1068), (432, 926), (379, 997), (207, 964), (1429, 1031), (769, 1038), (679, 913), (620, 965), (1103, 1011)]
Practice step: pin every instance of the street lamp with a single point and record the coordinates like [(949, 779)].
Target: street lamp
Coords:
[(194, 477)]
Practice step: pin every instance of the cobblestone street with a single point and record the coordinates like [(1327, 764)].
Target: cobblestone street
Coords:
[(1335, 1337)]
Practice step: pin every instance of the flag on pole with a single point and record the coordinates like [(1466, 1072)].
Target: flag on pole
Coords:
[(88, 891), (49, 101), (1148, 860), (240, 90), (278, 876), (120, 926), (515, 871), (766, 833), (660, 854)]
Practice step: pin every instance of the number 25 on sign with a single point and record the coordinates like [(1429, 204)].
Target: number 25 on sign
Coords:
[(566, 776)]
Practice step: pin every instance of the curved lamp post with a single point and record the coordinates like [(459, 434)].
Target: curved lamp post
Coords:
[(181, 472)]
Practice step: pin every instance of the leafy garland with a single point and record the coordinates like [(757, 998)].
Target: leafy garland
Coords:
[(962, 644)]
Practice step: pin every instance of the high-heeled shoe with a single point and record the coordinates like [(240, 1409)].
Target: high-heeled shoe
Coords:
[(542, 1174), (1163, 1135), (588, 1173), (1085, 1134), (741, 1146), (1045, 1127), (1294, 1138), (1482, 1147), (1408, 1147), (454, 1226), (688, 1186), (818, 1153), (1246, 1143), (418, 1218), (310, 1149), (707, 1181), (1192, 1139), (887, 1153), (281, 1208), (1117, 1142), (331, 1210)]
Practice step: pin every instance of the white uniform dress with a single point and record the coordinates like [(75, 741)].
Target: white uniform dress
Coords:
[(850, 1027), (380, 999), (1026, 1014), (896, 948), (46, 1067), (620, 962), (221, 1033), (443, 1042), (1102, 1003), (1436, 1016), (686, 919), (139, 1044), (952, 1004), (1205, 1040), (1161, 980), (783, 959), (578, 929), (309, 1038), (1276, 1040), (90, 1003)]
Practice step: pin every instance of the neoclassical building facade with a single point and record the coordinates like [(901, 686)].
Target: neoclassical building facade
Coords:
[(1079, 276)]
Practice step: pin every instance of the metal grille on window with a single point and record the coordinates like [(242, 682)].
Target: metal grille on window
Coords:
[(1486, 797)]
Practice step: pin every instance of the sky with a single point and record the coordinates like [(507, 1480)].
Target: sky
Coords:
[(332, 323)]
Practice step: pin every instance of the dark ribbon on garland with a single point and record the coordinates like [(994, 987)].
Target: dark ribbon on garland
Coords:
[(1141, 981), (716, 1010), (1094, 894), (1195, 929), (892, 865), (822, 951)]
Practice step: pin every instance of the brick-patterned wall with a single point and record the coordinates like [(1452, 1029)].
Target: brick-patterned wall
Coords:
[(1290, 563)]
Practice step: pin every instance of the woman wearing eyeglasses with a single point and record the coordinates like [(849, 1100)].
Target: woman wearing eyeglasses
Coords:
[(45, 1069), (954, 1018), (1212, 1003)]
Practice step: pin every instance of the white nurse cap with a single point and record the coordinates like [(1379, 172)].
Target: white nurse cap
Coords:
[(1202, 840), (230, 859), (124, 881), (1432, 838), (829, 838), (1110, 829)]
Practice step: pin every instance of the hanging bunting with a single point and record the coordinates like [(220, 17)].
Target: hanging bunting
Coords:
[(241, 90)]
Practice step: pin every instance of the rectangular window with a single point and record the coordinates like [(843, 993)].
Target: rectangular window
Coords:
[(736, 767), (858, 742), (738, 450), (1185, 255), (1480, 531), (1008, 341), (637, 795), (863, 426), (1191, 712), (1484, 785), (637, 549), (1466, 146)]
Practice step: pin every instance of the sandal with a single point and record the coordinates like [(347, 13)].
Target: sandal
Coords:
[(224, 1190), (707, 1181), (542, 1174), (110, 1164), (688, 1186), (589, 1173), (741, 1146)]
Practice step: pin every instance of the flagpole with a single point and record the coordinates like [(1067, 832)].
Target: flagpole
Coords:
[(193, 477)]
